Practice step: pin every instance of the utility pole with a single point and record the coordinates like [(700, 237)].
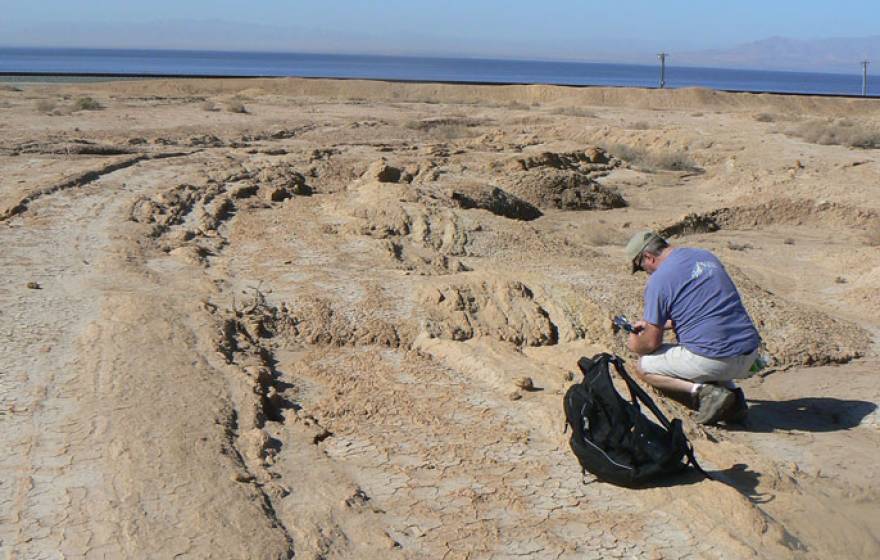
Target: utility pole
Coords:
[(865, 77), (662, 56)]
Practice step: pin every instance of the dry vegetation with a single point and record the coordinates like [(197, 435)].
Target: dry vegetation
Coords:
[(573, 112), (45, 106), (236, 106), (447, 128), (86, 104), (643, 159), (843, 132)]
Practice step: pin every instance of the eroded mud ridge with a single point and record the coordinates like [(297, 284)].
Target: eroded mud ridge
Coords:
[(300, 330)]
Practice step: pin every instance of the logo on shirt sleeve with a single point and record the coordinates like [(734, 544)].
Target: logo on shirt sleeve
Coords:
[(703, 267)]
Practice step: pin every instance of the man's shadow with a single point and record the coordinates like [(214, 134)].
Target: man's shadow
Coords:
[(809, 414)]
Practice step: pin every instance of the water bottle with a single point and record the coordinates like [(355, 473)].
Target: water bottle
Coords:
[(760, 363)]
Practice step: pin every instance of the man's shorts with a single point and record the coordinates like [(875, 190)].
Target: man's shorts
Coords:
[(673, 360)]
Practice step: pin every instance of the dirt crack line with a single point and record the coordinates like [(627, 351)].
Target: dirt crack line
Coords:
[(83, 179)]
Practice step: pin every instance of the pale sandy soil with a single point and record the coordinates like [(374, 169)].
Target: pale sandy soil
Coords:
[(296, 330)]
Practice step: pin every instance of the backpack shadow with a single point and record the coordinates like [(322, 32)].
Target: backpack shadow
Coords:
[(739, 477)]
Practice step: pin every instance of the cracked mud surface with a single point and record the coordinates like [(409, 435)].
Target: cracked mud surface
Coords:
[(299, 331)]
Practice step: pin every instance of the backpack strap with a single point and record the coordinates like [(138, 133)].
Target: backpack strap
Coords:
[(639, 394)]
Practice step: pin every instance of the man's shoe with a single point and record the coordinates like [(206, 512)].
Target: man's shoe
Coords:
[(714, 401), (740, 409)]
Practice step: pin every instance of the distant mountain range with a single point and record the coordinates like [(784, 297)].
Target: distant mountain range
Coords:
[(841, 54)]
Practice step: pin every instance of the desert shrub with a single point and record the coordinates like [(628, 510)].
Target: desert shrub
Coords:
[(516, 105), (841, 132), (639, 125), (733, 246), (9, 88), (528, 120), (236, 106), (573, 112), (208, 106), (432, 124), (45, 106), (629, 154), (450, 132), (85, 104), (672, 161), (669, 161), (765, 117)]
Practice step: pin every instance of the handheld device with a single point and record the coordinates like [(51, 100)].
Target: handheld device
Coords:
[(620, 322)]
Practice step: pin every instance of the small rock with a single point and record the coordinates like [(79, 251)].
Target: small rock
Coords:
[(274, 193), (382, 172), (34, 286), (515, 396), (525, 383), (242, 477), (596, 155)]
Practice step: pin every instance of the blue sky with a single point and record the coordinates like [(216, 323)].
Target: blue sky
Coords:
[(562, 28)]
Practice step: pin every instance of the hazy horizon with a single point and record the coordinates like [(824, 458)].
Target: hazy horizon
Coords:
[(785, 35)]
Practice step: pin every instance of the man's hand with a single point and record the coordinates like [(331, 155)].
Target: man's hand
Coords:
[(646, 338)]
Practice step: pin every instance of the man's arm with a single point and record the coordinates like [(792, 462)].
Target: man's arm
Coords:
[(647, 338)]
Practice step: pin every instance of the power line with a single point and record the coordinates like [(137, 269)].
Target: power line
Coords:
[(662, 56)]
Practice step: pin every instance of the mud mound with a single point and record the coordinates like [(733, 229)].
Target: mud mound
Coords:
[(413, 258), (321, 322), (493, 199), (185, 211), (589, 160), (561, 180), (281, 181), (388, 210), (168, 208), (564, 189), (778, 211), (383, 173), (794, 334), (182, 213), (505, 310), (330, 170)]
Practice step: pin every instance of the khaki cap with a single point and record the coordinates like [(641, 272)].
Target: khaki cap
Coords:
[(637, 244)]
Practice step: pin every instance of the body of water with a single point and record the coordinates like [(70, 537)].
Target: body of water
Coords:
[(213, 63)]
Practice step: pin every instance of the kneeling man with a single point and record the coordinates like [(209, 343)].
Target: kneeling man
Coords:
[(689, 291)]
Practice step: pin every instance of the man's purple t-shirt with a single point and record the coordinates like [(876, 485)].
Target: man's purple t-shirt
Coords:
[(692, 288)]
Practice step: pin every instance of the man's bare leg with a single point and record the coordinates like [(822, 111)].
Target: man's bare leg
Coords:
[(678, 389)]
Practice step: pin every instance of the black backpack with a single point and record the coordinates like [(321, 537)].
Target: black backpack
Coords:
[(611, 437)]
